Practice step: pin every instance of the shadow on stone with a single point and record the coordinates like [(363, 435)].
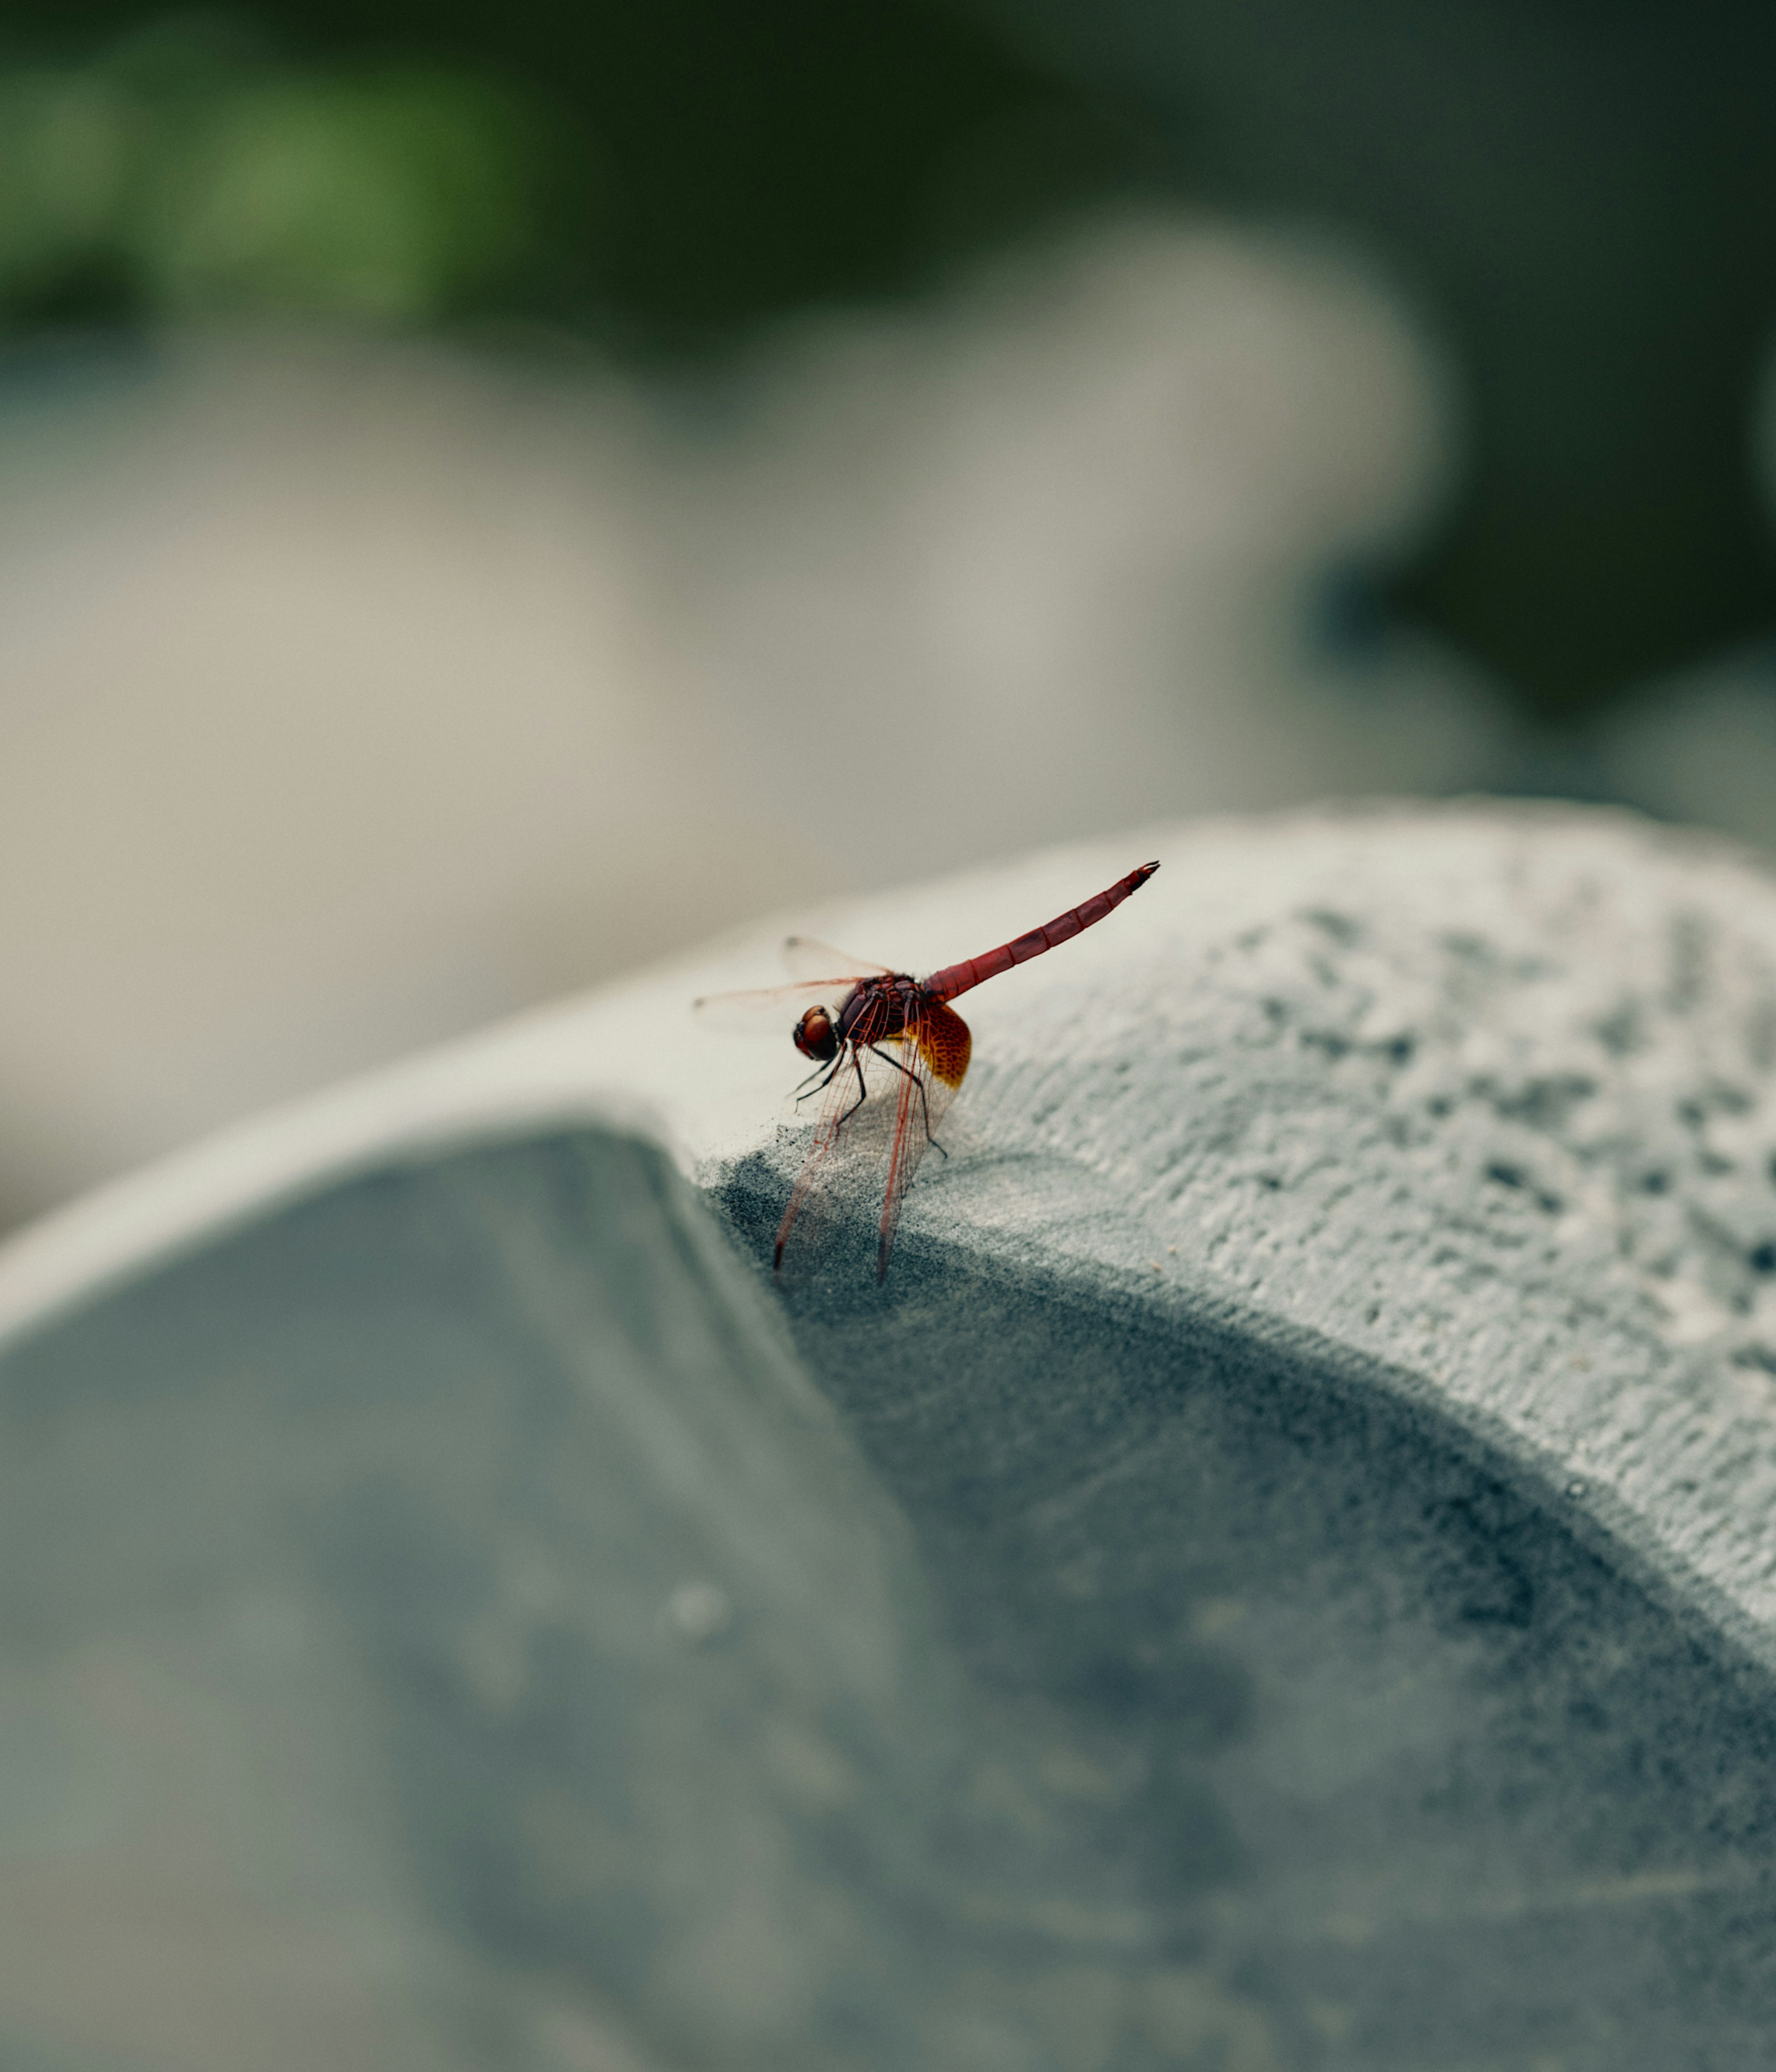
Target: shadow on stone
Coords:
[(975, 1671), (1390, 1745)]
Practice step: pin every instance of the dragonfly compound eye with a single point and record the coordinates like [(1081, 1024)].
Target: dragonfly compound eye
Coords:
[(816, 1037)]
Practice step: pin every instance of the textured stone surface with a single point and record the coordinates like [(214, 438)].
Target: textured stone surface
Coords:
[(1279, 1578), (1487, 1096)]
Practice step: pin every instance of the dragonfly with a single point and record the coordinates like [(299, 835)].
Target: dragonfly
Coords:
[(889, 1053)]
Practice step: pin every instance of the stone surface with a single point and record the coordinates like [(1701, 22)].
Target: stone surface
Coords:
[(1280, 1576)]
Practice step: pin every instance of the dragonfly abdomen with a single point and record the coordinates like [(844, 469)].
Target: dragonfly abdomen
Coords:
[(955, 979)]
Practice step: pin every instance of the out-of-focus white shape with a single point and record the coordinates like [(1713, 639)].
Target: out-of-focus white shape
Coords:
[(345, 714), (348, 698), (1700, 748), (1700, 745), (1050, 557)]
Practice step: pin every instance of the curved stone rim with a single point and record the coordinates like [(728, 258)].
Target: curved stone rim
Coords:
[(601, 1059)]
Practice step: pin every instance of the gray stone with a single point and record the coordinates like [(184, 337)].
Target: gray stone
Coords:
[(1279, 1577)]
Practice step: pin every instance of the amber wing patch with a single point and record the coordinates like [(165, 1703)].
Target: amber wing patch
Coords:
[(944, 1042)]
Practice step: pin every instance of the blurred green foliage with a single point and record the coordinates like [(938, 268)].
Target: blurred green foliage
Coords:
[(178, 176), (659, 177)]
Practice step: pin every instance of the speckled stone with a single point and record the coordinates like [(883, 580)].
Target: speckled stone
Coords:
[(1485, 1095)]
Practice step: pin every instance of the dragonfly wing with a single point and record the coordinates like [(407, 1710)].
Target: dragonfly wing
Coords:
[(850, 1149), (806, 959), (833, 1157), (944, 1044), (910, 1139), (774, 1009), (878, 1114), (933, 1064)]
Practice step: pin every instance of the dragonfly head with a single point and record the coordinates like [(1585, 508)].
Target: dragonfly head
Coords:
[(816, 1037)]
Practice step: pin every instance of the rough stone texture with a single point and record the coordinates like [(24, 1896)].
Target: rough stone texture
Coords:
[(1278, 1578), (1487, 1096)]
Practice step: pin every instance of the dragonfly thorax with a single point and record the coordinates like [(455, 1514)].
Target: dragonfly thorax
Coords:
[(875, 1010), (879, 1008)]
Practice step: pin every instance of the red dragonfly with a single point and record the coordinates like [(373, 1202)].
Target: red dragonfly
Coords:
[(888, 1059)]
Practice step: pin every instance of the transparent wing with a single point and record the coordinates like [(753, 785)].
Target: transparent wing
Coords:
[(878, 1114), (806, 959), (935, 1062), (772, 1008)]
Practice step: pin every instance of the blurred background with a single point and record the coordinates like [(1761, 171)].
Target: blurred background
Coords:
[(488, 497)]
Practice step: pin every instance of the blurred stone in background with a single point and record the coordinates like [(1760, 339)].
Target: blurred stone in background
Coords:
[(1699, 743)]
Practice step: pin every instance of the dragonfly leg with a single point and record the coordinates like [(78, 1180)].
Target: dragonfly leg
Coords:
[(863, 1091), (924, 1104), (822, 1073)]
